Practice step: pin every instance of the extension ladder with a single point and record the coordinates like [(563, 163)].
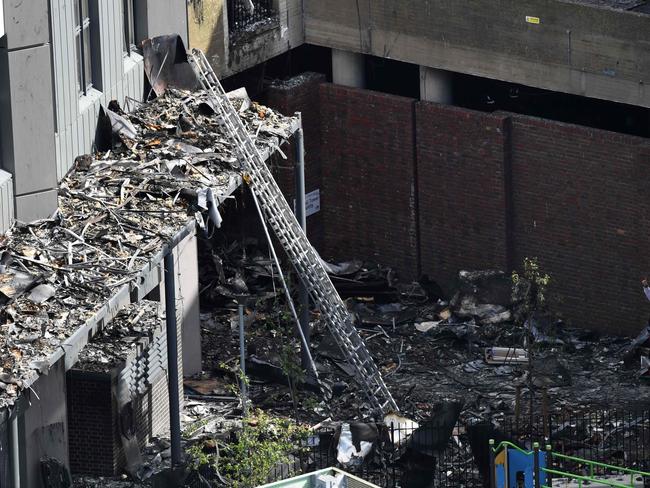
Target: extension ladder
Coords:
[(304, 258)]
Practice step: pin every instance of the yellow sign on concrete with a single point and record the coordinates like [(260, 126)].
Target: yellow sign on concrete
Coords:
[(532, 20)]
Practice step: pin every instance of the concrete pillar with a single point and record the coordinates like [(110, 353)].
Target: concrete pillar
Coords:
[(187, 294), (435, 85), (348, 68), (26, 108)]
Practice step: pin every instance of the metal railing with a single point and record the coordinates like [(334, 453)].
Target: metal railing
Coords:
[(543, 475), (606, 438)]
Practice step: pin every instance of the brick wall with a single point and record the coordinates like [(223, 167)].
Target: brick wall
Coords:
[(301, 94), (462, 190), (151, 410), (475, 190), (94, 437), (581, 205), (93, 413), (368, 197), (91, 423), (495, 188)]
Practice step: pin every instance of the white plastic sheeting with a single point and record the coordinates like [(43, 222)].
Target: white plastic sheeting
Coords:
[(347, 453)]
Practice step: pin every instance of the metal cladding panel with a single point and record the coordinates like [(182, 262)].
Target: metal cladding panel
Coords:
[(167, 17), (2, 19), (63, 47), (30, 88), (111, 27), (36, 206), (26, 23), (6, 201)]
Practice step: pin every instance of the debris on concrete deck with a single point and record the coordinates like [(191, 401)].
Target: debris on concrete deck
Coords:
[(129, 333), (117, 210)]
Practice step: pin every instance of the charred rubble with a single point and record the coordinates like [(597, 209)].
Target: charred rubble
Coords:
[(439, 356), (167, 166), (428, 347), (118, 208)]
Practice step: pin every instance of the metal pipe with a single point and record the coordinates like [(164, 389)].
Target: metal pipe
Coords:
[(14, 451), (301, 217), (536, 470), (172, 359), (242, 359), (287, 293), (492, 464)]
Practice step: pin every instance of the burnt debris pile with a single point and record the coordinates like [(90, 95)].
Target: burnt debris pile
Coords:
[(472, 352), (162, 167), (470, 347)]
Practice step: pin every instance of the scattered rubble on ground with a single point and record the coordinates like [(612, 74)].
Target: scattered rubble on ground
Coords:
[(427, 368), (428, 349), (445, 363)]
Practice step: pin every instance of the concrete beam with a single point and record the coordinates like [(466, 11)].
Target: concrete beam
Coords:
[(553, 44), (186, 260)]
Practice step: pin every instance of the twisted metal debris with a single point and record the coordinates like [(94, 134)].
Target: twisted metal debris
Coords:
[(117, 211)]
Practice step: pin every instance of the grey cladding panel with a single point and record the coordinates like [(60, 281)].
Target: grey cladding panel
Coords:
[(36, 206), (63, 46), (26, 22), (30, 85), (167, 17)]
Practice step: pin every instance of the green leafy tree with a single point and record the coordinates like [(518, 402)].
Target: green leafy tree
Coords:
[(263, 443), (530, 288)]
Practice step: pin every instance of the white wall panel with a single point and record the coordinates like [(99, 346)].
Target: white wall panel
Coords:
[(6, 200)]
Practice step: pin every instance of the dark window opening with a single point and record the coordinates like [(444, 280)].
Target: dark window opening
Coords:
[(391, 76), (245, 14), (491, 95), (83, 47), (282, 67), (311, 58), (129, 27)]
